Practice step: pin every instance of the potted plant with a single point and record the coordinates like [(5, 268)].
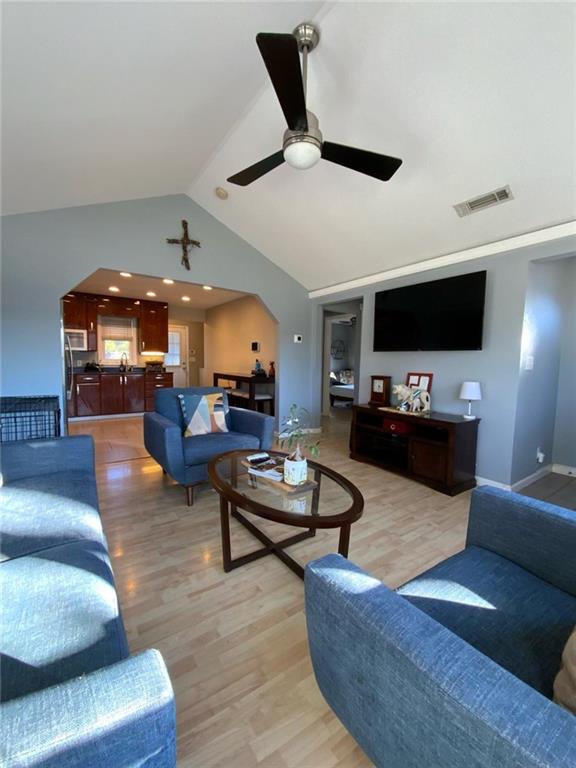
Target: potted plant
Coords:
[(295, 436)]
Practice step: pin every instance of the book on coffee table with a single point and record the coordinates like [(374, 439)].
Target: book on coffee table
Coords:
[(272, 472)]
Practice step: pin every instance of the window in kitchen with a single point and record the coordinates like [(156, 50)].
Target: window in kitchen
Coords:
[(174, 352), (117, 336)]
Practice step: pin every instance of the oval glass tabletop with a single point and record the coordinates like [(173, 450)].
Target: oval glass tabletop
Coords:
[(326, 500)]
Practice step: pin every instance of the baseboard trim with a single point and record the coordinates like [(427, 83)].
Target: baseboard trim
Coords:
[(492, 483), (532, 478), (105, 417), (564, 469)]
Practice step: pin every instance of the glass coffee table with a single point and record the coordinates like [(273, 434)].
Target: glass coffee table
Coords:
[(328, 500)]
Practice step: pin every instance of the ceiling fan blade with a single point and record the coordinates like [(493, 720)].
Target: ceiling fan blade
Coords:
[(380, 167), (248, 175), (280, 54)]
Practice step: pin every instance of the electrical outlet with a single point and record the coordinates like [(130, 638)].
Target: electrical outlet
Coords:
[(529, 363), (540, 456), (297, 338)]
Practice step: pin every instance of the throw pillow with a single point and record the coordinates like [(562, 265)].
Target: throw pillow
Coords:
[(565, 682), (204, 414)]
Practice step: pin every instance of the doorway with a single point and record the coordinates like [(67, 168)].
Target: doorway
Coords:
[(341, 356), (176, 360)]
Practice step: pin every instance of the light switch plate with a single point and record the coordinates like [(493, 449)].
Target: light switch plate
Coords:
[(297, 338)]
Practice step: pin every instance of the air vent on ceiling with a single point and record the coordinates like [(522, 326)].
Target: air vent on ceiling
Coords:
[(484, 201)]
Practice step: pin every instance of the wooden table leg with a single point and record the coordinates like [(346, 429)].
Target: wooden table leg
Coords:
[(315, 497), (344, 541), (225, 529), (252, 396)]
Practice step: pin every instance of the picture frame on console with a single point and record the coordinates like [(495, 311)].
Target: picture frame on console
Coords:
[(419, 380)]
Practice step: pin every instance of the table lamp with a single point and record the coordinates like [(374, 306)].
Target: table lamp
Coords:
[(470, 390)]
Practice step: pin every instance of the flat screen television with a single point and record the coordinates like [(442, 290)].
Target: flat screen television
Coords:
[(439, 315)]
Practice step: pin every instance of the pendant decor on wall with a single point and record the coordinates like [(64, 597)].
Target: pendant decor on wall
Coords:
[(185, 243), (337, 350)]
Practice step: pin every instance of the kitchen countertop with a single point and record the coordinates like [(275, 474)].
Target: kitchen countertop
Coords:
[(111, 370)]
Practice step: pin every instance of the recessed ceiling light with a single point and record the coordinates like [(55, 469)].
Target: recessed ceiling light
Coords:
[(150, 293), (185, 298), (125, 274), (221, 193), (207, 287), (105, 299), (168, 281), (114, 289)]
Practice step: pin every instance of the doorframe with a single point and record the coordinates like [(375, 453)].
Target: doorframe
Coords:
[(186, 356)]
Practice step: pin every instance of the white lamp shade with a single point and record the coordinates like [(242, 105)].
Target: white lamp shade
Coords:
[(302, 154), (470, 390)]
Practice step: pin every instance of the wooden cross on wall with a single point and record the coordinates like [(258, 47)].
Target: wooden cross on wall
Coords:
[(185, 242)]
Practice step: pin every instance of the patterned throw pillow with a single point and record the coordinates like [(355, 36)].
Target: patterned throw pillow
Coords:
[(204, 414)]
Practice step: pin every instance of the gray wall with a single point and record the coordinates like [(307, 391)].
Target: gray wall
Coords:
[(537, 387), (564, 451), (496, 366), (46, 254)]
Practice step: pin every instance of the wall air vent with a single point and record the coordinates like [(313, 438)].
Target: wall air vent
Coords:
[(484, 201)]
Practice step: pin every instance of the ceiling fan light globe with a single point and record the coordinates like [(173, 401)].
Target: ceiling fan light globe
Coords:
[(302, 154)]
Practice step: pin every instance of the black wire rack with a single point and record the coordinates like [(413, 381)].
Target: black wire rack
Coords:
[(29, 418)]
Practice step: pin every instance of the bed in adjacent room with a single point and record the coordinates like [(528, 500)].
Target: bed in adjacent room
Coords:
[(341, 387)]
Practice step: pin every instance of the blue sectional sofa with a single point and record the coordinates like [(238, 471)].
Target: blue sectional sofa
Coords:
[(186, 459), (71, 694), (455, 669)]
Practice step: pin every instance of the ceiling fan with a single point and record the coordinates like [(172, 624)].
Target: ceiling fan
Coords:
[(303, 145)]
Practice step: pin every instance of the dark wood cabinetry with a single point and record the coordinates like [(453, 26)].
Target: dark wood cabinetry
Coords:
[(112, 393), (98, 394), (81, 312), (87, 395), (437, 449), (74, 311), (134, 392), (91, 310), (155, 381), (154, 326)]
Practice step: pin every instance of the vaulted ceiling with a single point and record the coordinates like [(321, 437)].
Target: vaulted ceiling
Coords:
[(109, 101)]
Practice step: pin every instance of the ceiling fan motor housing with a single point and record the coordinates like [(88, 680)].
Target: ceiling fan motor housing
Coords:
[(303, 149), (312, 135)]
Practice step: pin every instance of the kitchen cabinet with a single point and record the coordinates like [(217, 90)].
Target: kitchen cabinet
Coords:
[(112, 392), (134, 392), (155, 381), (153, 326), (91, 315), (87, 392), (74, 311), (122, 392)]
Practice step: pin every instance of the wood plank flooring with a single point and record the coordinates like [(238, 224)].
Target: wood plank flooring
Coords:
[(235, 644)]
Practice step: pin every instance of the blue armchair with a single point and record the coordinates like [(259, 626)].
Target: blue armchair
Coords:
[(186, 459), (456, 667)]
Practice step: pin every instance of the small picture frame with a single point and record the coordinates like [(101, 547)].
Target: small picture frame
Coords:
[(419, 380)]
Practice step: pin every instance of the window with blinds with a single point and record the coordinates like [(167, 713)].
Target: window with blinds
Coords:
[(117, 336)]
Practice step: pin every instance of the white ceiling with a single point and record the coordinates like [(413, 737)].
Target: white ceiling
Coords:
[(136, 287), (115, 101)]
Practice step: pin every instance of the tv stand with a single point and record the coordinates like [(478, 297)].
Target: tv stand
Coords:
[(437, 449)]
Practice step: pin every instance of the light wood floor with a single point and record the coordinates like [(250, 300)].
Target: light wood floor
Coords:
[(235, 644)]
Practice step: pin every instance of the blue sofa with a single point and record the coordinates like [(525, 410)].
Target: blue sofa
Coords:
[(186, 459), (71, 694), (455, 668)]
